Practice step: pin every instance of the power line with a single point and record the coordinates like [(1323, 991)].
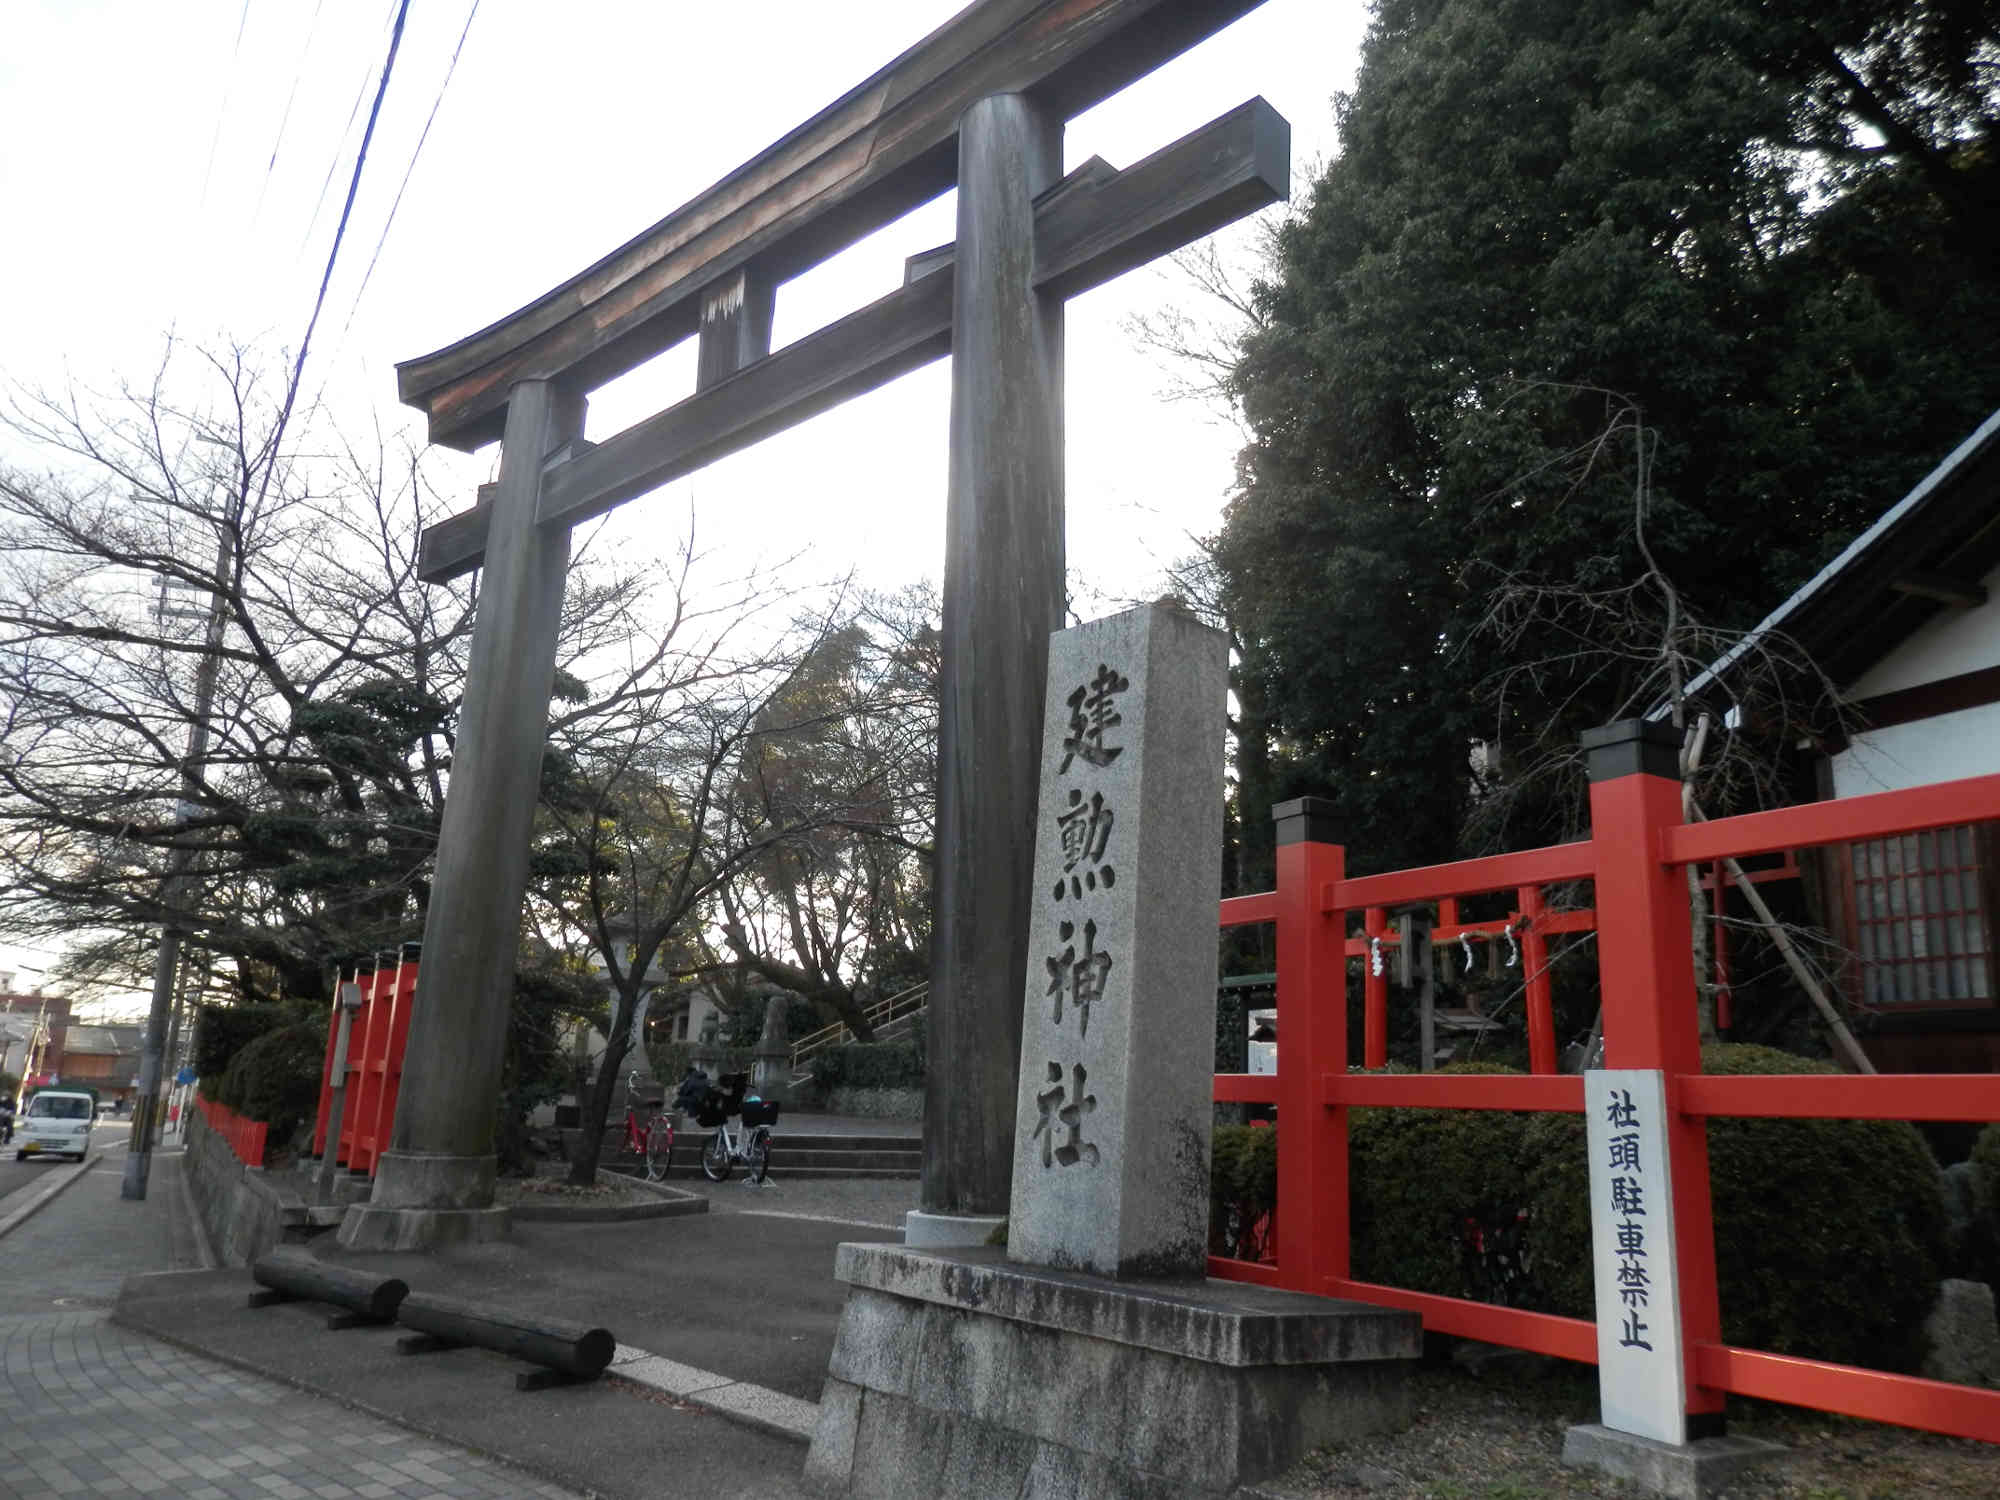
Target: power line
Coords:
[(333, 255), (222, 109), (298, 73), (429, 119), (333, 166)]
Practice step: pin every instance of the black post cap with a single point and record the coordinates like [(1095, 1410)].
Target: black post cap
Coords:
[(412, 951), (1632, 747), (1304, 820)]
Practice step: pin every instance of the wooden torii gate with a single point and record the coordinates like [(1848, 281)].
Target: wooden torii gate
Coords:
[(981, 104)]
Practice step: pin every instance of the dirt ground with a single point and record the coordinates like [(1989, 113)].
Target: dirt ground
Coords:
[(611, 1190), (1498, 1436)]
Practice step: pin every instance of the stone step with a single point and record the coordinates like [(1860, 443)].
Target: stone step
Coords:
[(800, 1154), (828, 1161), (783, 1167), (686, 1173), (826, 1143), (803, 1141)]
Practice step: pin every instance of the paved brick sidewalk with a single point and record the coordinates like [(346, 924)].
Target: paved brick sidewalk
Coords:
[(91, 1408), (94, 1409)]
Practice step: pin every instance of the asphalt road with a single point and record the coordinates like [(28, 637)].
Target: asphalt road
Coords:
[(109, 1136)]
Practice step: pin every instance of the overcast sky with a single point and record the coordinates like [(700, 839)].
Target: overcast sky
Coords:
[(181, 168)]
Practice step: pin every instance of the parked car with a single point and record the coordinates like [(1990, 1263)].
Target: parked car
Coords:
[(55, 1123)]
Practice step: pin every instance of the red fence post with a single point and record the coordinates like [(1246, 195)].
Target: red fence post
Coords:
[(1718, 943), (1645, 958), (326, 1079), (368, 1143), (1535, 977), (1374, 991), (1312, 1041), (397, 1040)]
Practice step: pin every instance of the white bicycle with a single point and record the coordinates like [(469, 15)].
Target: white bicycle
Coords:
[(748, 1142)]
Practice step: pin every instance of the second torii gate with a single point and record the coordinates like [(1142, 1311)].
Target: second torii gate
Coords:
[(981, 104)]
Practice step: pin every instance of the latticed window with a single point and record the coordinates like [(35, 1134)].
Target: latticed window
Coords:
[(1921, 915)]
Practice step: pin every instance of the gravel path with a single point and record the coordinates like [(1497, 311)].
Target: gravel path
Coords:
[(1499, 1437)]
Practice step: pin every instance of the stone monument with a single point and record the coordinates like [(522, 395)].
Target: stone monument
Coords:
[(771, 1063), (1091, 1357), (1113, 1118)]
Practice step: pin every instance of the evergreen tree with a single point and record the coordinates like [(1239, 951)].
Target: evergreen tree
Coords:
[(1745, 252)]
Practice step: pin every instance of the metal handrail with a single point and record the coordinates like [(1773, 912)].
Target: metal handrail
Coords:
[(877, 1013)]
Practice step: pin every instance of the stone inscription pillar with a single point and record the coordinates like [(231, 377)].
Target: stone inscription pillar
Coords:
[(1090, 1358), (1003, 595), (1115, 1097), (440, 1157)]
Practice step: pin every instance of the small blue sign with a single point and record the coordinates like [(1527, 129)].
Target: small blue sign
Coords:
[(186, 1075)]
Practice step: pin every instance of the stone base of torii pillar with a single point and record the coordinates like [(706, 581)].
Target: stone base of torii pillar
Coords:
[(957, 1373), (1092, 1358), (407, 1217)]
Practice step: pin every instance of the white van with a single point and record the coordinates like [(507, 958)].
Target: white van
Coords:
[(54, 1122)]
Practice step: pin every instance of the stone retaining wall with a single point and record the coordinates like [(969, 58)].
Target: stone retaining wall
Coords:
[(244, 1213)]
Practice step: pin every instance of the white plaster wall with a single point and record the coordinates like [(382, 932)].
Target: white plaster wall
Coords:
[(1944, 748), (1966, 743), (1952, 642)]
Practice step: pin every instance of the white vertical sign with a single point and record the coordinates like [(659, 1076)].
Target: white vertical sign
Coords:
[(1640, 1371)]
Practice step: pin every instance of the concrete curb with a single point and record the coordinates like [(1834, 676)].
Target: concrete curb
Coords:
[(46, 1192), (739, 1400), (673, 1202)]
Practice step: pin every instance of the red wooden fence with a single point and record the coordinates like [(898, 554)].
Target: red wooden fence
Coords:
[(1636, 858), (245, 1136), (377, 1037)]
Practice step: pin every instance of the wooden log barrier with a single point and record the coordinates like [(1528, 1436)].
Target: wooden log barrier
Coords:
[(289, 1274), (566, 1351)]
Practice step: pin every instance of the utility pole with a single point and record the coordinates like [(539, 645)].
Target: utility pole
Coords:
[(37, 1040), (192, 977), (139, 1159)]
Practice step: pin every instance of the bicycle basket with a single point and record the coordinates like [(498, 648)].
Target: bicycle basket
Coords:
[(711, 1109), (759, 1112)]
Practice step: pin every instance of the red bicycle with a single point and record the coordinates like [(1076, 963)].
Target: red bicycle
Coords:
[(648, 1137)]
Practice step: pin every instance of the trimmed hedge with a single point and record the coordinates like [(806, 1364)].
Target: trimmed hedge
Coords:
[(869, 1065), (1437, 1199), (222, 1031), (671, 1060), (1242, 1189), (1983, 1239), (275, 1078)]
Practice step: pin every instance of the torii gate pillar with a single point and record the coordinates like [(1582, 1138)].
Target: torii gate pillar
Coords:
[(435, 1182), (1003, 595)]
